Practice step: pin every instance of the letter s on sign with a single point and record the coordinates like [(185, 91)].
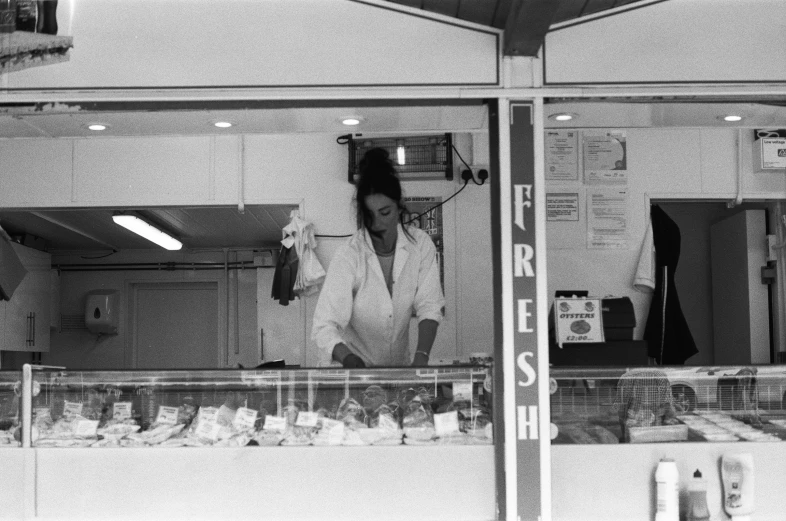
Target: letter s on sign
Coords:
[(528, 370)]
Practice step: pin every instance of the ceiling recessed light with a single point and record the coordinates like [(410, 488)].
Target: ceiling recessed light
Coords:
[(732, 117), (97, 126), (562, 116), (222, 124), (352, 121)]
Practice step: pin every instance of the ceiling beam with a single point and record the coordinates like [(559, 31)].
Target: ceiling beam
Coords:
[(74, 229), (527, 24)]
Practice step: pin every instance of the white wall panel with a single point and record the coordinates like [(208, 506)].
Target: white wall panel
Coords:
[(673, 41), (171, 43), (718, 161), (142, 171), (35, 172)]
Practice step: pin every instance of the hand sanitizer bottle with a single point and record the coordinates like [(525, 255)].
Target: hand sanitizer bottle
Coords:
[(666, 481)]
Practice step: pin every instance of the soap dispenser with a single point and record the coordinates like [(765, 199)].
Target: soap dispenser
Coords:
[(737, 474)]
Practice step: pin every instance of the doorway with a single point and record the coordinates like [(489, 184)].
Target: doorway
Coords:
[(694, 276), (174, 325)]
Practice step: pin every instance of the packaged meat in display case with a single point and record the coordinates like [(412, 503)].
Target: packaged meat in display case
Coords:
[(259, 408), (10, 408)]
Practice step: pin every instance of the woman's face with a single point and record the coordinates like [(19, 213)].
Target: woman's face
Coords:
[(383, 212)]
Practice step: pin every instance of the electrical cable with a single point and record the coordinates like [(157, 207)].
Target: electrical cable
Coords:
[(466, 182), (465, 164)]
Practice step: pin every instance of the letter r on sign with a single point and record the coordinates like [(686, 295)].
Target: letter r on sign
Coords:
[(522, 260)]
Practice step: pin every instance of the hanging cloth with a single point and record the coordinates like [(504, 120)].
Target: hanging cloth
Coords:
[(669, 340)]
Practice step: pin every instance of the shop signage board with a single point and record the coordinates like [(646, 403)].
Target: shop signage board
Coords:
[(525, 341)]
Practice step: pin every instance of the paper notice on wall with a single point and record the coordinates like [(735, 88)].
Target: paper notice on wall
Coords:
[(562, 207), (605, 159), (607, 219), (773, 153), (562, 155)]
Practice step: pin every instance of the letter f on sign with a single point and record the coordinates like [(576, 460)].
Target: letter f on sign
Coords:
[(522, 198)]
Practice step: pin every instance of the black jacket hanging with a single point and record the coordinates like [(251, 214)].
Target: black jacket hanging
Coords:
[(668, 336), (285, 276)]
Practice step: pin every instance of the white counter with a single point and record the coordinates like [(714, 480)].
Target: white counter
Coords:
[(292, 483)]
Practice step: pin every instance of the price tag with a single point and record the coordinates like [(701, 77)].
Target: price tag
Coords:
[(306, 419), (387, 422), (208, 430), (446, 423), (462, 391), (245, 418), (578, 320), (121, 410), (274, 423), (166, 415), (335, 430), (208, 414), (87, 428), (72, 409)]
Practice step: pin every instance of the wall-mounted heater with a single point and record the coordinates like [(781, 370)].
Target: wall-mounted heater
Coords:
[(415, 157)]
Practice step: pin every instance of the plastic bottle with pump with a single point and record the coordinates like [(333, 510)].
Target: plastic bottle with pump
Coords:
[(667, 493), (737, 477), (697, 498)]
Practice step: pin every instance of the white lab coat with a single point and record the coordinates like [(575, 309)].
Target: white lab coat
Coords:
[(356, 308)]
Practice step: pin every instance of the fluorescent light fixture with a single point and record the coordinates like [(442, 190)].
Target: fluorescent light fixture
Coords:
[(222, 124), (401, 154), (732, 117), (352, 121), (149, 232), (97, 126), (562, 116)]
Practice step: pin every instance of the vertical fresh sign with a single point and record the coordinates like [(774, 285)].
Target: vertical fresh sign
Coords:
[(525, 343)]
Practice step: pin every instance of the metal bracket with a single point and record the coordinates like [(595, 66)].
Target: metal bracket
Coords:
[(768, 275)]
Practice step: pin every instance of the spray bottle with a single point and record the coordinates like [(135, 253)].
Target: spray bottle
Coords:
[(737, 477), (666, 482), (697, 498)]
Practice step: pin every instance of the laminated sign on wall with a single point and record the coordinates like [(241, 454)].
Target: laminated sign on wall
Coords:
[(770, 146), (578, 320)]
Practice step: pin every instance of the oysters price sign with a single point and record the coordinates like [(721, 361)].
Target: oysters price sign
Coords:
[(578, 320)]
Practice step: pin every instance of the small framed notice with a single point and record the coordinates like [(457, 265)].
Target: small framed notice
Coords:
[(578, 320)]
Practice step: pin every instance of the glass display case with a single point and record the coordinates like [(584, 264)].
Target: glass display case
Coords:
[(10, 394), (669, 404), (281, 407)]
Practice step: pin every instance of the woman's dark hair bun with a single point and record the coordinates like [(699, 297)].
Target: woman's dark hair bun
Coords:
[(376, 160)]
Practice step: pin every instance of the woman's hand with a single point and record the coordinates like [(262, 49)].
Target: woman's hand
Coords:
[(352, 361)]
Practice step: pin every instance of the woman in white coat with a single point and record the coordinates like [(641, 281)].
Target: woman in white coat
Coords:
[(384, 274)]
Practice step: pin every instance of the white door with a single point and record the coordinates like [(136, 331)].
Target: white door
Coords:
[(175, 326), (740, 302)]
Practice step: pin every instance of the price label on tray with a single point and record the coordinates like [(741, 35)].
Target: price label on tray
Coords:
[(72, 409), (208, 430), (306, 419), (166, 415), (121, 410), (208, 414), (446, 423), (87, 428), (462, 391), (334, 429), (275, 423), (245, 418)]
